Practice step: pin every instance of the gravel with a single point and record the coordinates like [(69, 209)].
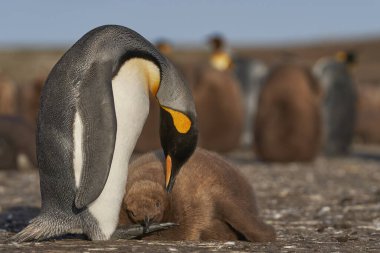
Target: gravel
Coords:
[(330, 204)]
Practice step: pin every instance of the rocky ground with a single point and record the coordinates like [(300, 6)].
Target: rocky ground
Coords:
[(331, 204)]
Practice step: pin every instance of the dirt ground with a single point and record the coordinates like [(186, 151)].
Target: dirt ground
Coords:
[(331, 204)]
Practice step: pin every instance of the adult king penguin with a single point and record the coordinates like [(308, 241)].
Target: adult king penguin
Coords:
[(93, 107)]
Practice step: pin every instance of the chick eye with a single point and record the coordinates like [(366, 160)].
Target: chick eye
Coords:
[(131, 213), (158, 204)]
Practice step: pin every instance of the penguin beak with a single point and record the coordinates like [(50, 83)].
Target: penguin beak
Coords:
[(146, 224), (169, 174)]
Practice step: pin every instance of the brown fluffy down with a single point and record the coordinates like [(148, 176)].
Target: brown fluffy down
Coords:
[(8, 96), (210, 200), (30, 100), (16, 137), (368, 121), (219, 106), (288, 122)]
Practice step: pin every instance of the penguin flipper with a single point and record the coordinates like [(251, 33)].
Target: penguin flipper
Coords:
[(97, 111)]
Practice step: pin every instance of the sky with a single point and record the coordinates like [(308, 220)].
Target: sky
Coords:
[(255, 22)]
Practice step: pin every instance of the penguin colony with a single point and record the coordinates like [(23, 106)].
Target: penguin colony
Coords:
[(221, 205), (93, 108)]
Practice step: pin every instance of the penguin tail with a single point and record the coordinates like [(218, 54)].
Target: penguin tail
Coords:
[(41, 228)]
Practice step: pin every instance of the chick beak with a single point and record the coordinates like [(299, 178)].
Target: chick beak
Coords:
[(146, 224)]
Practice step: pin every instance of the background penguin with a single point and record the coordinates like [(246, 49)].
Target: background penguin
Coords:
[(251, 74), (338, 103), (17, 144), (30, 99), (218, 100), (8, 96), (288, 122), (368, 116), (93, 107), (210, 201)]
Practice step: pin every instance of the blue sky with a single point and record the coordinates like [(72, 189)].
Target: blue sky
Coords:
[(54, 23)]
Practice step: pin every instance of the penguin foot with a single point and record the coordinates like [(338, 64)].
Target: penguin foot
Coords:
[(137, 230), (44, 227)]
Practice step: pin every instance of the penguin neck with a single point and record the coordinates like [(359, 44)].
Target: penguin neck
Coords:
[(142, 72), (220, 60), (130, 90)]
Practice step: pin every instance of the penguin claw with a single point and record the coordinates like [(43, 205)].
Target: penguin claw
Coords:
[(137, 230)]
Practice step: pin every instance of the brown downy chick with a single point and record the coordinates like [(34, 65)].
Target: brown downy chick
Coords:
[(210, 200)]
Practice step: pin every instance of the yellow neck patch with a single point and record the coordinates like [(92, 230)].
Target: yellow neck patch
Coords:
[(341, 56), (150, 71), (181, 122), (221, 61)]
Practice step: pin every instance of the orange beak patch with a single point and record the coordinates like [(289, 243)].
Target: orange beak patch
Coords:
[(168, 170)]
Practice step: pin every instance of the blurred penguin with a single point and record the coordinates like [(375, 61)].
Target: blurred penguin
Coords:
[(164, 46), (288, 122), (251, 74), (218, 101), (8, 96), (338, 102), (30, 99), (17, 144)]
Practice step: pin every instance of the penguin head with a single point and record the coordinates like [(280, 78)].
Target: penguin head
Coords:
[(216, 42), (178, 133), (346, 56), (220, 58), (178, 127), (145, 202), (164, 47)]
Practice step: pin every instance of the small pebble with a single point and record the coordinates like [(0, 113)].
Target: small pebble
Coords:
[(290, 247), (324, 210), (342, 238)]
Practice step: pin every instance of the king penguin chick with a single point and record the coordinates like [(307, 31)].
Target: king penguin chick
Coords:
[(30, 99), (338, 103), (288, 123), (93, 106), (210, 201), (8, 96), (219, 101), (17, 144)]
